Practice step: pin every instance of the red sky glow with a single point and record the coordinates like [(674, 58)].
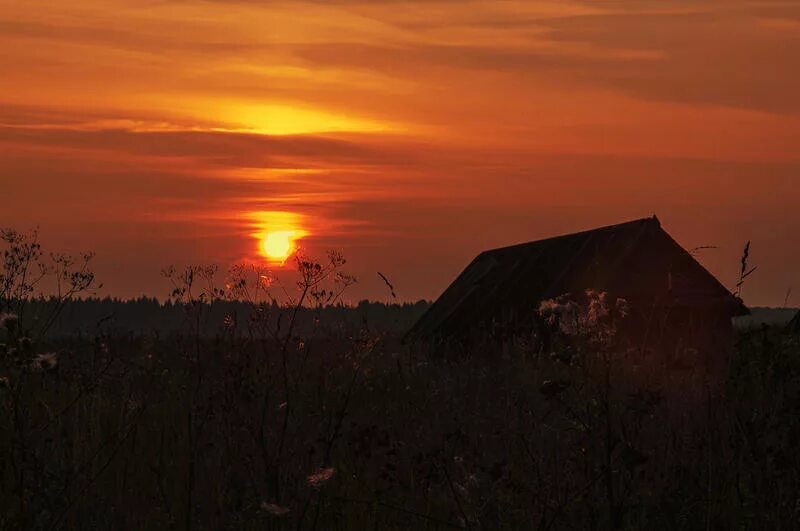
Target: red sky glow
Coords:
[(407, 135)]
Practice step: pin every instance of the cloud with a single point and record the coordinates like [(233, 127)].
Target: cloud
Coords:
[(131, 127), (722, 57)]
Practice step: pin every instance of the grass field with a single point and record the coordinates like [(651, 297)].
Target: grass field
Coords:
[(354, 431), (306, 415)]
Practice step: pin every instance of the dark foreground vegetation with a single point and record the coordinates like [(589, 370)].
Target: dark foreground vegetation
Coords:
[(251, 421)]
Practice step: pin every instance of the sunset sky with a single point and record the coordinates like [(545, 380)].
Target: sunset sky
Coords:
[(409, 135)]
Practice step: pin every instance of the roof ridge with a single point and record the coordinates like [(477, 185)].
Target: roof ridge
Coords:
[(651, 219)]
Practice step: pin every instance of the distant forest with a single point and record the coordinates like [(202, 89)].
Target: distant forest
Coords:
[(146, 315)]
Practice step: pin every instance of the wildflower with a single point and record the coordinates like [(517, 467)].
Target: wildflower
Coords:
[(274, 509), (597, 308), (266, 280), (47, 361), (623, 308), (549, 307), (319, 478), (561, 312)]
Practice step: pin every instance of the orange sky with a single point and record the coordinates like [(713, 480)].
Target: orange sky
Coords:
[(408, 135)]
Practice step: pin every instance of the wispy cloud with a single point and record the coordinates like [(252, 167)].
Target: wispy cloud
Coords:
[(410, 133)]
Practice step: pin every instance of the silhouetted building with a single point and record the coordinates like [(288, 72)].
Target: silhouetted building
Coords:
[(675, 304)]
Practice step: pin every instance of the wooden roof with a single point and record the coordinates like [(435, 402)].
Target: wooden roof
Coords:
[(637, 260)]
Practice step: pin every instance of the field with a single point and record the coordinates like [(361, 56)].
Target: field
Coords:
[(348, 429), (304, 414)]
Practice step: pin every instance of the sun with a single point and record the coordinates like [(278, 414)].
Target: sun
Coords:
[(278, 245), (278, 234)]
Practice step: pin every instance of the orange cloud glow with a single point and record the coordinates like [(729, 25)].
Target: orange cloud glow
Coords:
[(408, 135)]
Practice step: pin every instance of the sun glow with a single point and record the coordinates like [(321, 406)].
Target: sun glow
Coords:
[(278, 245), (278, 234), (285, 119)]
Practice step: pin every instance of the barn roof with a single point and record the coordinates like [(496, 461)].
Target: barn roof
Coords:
[(637, 260)]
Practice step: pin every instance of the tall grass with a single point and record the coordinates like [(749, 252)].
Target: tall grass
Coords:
[(131, 433), (344, 428)]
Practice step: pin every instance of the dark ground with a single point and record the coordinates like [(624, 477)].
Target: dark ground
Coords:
[(215, 424)]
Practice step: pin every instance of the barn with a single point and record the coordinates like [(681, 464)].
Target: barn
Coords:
[(675, 304)]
